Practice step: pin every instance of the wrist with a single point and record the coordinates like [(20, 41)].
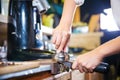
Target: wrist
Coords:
[(98, 53), (65, 25)]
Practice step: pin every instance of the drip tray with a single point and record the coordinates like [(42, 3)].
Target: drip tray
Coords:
[(30, 54)]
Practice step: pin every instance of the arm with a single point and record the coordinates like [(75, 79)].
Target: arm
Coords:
[(68, 13), (61, 34), (88, 61)]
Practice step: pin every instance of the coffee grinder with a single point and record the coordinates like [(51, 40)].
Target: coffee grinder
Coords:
[(24, 26)]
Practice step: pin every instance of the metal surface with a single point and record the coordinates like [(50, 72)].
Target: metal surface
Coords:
[(42, 5), (63, 63), (61, 56)]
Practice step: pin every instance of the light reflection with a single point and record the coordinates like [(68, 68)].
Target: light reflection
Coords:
[(23, 17)]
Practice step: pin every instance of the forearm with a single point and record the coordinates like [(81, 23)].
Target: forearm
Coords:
[(68, 13), (109, 48)]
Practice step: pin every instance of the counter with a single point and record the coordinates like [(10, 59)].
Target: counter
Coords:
[(31, 70), (25, 72)]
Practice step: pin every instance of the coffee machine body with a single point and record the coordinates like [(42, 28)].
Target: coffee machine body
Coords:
[(23, 30), (20, 27)]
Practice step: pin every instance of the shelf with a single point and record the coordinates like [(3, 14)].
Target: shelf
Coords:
[(45, 29)]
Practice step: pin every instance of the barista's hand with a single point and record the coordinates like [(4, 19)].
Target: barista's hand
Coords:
[(87, 62), (60, 37)]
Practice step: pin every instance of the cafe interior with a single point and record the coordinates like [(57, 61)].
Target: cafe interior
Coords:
[(26, 49)]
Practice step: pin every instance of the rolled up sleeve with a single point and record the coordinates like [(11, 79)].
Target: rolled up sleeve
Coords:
[(79, 2)]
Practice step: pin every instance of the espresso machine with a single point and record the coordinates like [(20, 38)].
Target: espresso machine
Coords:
[(24, 29)]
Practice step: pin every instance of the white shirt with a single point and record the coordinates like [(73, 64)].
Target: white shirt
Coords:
[(79, 2), (115, 4)]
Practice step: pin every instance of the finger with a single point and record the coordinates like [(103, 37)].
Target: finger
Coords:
[(64, 42), (80, 68), (65, 45), (85, 69), (77, 68), (58, 41), (90, 69), (74, 65), (54, 37), (53, 31)]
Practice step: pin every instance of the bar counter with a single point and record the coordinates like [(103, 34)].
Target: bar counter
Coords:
[(31, 70)]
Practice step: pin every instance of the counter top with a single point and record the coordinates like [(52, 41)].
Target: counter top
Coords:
[(26, 72), (24, 68)]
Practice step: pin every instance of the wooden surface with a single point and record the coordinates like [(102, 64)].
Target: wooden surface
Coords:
[(93, 76), (94, 23), (88, 41), (76, 75), (20, 66), (45, 76), (38, 76)]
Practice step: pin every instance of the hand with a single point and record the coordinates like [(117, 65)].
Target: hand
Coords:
[(87, 62), (61, 36)]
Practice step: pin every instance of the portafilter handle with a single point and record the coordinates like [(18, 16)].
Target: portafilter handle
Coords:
[(63, 58), (102, 68)]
